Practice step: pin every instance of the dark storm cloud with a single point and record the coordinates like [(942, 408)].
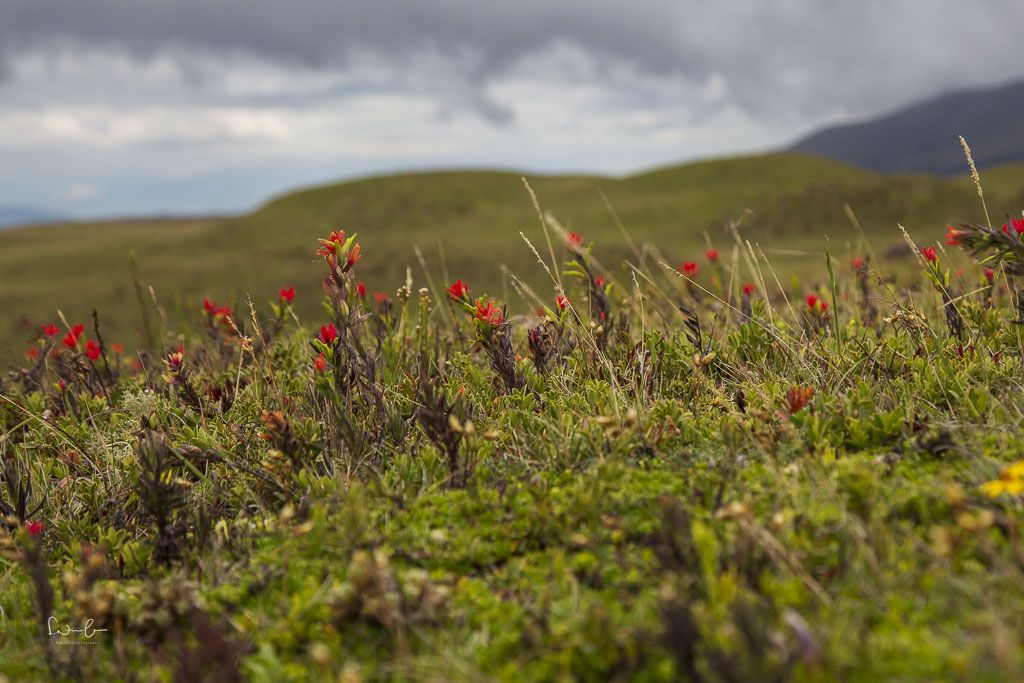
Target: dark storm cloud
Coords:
[(803, 56), (316, 31)]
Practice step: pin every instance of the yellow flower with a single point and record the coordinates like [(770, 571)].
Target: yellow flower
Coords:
[(998, 487), (1016, 470), (1011, 482)]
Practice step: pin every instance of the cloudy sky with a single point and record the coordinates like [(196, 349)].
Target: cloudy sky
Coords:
[(146, 106)]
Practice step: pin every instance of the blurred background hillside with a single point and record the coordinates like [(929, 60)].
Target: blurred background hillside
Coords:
[(179, 131)]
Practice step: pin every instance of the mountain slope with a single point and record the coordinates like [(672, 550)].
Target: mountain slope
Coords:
[(923, 137)]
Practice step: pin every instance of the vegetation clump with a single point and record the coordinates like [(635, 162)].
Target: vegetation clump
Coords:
[(656, 474)]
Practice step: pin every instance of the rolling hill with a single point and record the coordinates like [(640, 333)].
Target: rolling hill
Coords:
[(922, 138), (786, 202)]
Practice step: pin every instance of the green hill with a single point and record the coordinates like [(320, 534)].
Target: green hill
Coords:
[(788, 201)]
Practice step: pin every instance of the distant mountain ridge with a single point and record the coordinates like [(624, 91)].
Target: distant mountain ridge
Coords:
[(922, 138)]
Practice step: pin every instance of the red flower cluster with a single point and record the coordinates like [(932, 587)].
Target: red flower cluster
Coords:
[(34, 527), (748, 288), (599, 281), (329, 247), (335, 243), (51, 330), (953, 235), (92, 350), (328, 334), (360, 290), (690, 269), (1016, 223), (857, 263), (929, 254), (32, 353), (320, 363), (990, 275), (459, 290), (816, 304), (489, 314), (71, 339), (174, 360), (380, 297), (573, 241), (711, 255), (286, 294), (562, 301), (215, 310)]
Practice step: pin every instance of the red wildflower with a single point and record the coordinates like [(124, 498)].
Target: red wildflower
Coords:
[(51, 330), (328, 333), (174, 360), (118, 348), (1017, 223), (748, 289), (328, 247), (360, 289), (711, 255), (857, 263), (380, 297), (92, 350), (599, 281), (489, 314), (952, 236), (562, 301), (353, 256), (215, 310), (929, 253), (286, 294), (34, 527), (824, 305), (320, 363), (32, 353), (812, 300), (990, 275), (573, 240), (690, 269), (459, 290), (71, 340)]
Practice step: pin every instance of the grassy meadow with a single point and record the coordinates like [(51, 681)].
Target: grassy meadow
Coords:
[(613, 471), (469, 223)]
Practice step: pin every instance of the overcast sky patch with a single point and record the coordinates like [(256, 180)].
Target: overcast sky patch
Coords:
[(152, 100)]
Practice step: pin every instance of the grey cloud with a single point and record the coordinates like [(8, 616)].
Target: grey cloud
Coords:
[(200, 104), (802, 58)]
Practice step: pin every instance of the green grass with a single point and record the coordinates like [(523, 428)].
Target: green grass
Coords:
[(752, 491), (784, 202)]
